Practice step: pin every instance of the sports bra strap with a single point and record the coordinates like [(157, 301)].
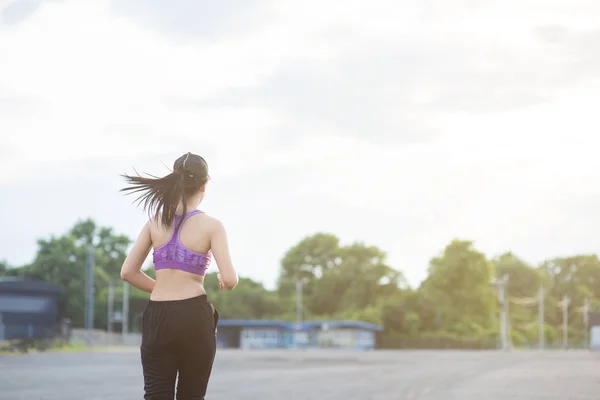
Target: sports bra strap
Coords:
[(187, 215), (177, 225)]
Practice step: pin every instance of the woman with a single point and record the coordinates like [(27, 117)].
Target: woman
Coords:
[(179, 323)]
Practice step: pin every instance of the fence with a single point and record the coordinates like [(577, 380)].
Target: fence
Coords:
[(103, 338), (435, 343)]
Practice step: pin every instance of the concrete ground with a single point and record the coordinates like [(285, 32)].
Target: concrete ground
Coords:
[(324, 375)]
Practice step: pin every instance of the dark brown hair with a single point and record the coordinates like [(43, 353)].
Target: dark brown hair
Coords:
[(161, 196)]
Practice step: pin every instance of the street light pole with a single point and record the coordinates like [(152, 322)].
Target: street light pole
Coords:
[(503, 299), (586, 321), (89, 291), (125, 324), (541, 317), (565, 307), (298, 302), (111, 306)]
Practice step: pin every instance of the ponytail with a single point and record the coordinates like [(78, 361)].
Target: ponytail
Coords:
[(159, 196)]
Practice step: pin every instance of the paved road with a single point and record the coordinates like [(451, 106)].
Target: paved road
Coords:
[(324, 375)]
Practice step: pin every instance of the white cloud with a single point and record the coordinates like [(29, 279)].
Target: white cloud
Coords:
[(491, 105), (90, 69)]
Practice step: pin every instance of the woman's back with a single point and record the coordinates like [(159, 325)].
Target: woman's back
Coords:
[(184, 280)]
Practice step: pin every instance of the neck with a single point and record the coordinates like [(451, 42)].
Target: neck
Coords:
[(190, 206)]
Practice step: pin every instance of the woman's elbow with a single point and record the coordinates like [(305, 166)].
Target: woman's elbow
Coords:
[(229, 284), (125, 275)]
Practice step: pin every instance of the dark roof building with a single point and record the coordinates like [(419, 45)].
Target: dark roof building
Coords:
[(28, 308)]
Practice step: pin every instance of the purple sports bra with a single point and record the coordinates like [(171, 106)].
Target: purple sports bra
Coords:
[(174, 255)]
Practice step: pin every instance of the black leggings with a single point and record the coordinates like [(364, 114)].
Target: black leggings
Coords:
[(178, 336)]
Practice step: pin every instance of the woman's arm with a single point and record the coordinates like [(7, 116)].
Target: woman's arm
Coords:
[(228, 278), (131, 269)]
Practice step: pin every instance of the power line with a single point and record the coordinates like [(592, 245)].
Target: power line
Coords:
[(564, 304)]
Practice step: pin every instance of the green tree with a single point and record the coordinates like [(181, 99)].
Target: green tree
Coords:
[(524, 281), (577, 277), (6, 270), (308, 260), (60, 260), (522, 289), (343, 281), (249, 300), (409, 313), (111, 248), (360, 280), (459, 283)]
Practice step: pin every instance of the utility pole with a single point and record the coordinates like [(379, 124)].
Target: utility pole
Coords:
[(507, 340), (2, 328), (586, 321), (298, 302), (565, 306), (503, 299), (125, 324), (507, 316), (111, 306), (541, 317), (89, 291)]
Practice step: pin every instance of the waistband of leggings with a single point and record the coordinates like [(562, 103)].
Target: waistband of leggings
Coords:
[(191, 301)]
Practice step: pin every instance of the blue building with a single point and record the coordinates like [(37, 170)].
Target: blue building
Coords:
[(594, 319), (336, 334), (28, 309), (251, 334), (272, 334)]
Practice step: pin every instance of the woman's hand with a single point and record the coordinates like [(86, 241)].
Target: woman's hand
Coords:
[(220, 282)]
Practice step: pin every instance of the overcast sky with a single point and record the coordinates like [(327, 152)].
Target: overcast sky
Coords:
[(403, 124)]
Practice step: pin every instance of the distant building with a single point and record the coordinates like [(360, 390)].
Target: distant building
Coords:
[(28, 308), (338, 334), (273, 334), (251, 334)]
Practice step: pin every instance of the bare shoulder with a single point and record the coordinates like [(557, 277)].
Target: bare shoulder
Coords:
[(153, 224), (213, 224)]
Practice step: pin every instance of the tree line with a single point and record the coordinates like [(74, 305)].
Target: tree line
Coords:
[(455, 306)]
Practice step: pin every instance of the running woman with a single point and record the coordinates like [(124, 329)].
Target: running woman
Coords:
[(179, 323)]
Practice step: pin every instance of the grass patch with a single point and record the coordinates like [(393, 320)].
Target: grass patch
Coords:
[(75, 347)]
